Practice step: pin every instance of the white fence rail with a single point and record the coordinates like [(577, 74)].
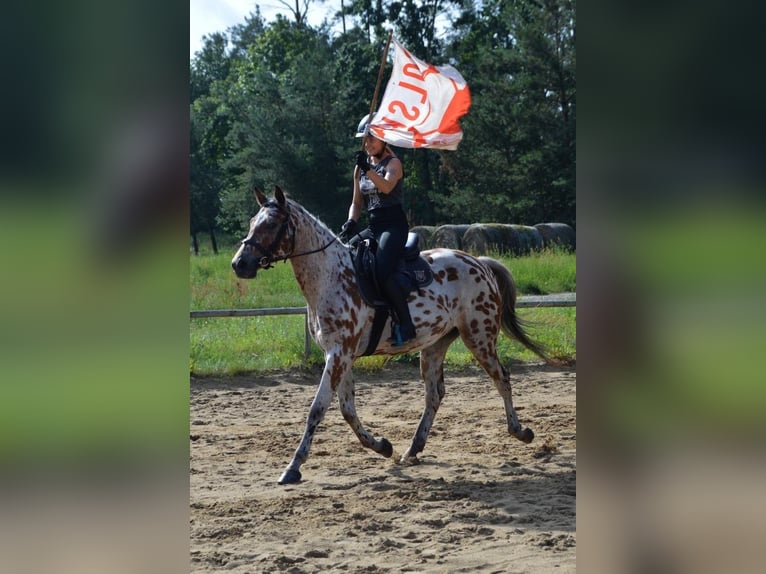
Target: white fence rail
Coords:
[(529, 301)]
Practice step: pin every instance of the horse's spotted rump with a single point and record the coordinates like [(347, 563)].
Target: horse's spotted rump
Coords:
[(486, 308), (469, 297)]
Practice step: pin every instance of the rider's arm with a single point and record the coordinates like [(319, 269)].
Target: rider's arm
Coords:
[(393, 175), (357, 203)]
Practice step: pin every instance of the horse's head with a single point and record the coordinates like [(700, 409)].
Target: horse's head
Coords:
[(271, 236)]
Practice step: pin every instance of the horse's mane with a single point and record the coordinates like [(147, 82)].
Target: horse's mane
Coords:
[(294, 205)]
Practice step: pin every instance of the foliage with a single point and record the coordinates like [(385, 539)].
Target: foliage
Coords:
[(278, 103), (517, 163)]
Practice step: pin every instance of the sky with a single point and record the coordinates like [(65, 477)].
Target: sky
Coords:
[(208, 16)]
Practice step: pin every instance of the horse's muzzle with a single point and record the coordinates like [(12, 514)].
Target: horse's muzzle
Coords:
[(244, 268)]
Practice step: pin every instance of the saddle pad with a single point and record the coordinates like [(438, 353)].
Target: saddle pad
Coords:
[(411, 274)]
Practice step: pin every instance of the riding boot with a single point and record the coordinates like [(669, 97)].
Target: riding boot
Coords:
[(404, 330)]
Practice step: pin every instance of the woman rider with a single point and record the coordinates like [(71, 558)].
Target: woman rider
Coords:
[(378, 187)]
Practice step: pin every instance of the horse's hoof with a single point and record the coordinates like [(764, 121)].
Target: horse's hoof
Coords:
[(525, 435), (409, 459), (290, 476), (386, 448)]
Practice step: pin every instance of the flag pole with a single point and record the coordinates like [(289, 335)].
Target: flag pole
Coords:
[(380, 78)]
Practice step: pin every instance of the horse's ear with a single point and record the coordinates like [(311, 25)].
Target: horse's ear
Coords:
[(279, 195), (260, 197)]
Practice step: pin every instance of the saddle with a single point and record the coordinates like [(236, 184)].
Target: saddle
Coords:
[(413, 272)]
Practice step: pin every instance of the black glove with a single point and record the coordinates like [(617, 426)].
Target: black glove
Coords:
[(361, 161), (347, 231)]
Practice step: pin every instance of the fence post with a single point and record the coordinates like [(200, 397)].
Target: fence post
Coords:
[(307, 347)]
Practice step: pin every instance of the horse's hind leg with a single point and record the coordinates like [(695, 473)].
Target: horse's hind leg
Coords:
[(348, 410), (486, 353), (432, 372)]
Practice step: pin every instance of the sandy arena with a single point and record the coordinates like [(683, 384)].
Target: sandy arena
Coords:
[(478, 501)]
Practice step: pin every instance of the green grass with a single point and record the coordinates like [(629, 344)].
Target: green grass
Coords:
[(245, 344), (543, 272), (214, 286)]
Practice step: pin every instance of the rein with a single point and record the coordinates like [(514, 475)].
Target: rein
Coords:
[(266, 261)]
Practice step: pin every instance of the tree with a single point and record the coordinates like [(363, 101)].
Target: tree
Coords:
[(208, 130), (211, 64), (204, 190), (517, 162), (298, 9), (278, 103), (289, 129)]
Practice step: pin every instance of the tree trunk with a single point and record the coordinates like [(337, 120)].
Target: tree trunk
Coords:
[(213, 241), (195, 244)]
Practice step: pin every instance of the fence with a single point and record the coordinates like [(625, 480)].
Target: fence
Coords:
[(530, 301)]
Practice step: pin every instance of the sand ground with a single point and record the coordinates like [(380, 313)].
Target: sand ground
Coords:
[(478, 501)]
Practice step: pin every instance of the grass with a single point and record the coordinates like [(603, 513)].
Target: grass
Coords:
[(245, 344), (543, 272)]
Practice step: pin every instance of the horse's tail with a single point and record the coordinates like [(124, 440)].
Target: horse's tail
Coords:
[(510, 323)]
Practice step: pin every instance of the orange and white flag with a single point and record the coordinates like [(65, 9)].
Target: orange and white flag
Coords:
[(422, 104)]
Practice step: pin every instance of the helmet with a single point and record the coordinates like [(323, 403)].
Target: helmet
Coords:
[(363, 129)]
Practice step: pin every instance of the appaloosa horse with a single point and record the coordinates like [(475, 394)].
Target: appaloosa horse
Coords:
[(470, 297)]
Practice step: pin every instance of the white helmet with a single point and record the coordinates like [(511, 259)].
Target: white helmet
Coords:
[(363, 129)]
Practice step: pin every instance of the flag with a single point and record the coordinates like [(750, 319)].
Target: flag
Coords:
[(422, 104)]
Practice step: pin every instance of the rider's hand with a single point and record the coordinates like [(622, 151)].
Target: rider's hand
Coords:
[(347, 231), (361, 161)]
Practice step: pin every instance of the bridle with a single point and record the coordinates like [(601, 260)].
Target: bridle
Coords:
[(269, 257)]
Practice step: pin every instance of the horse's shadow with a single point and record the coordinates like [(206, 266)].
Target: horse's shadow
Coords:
[(518, 495)]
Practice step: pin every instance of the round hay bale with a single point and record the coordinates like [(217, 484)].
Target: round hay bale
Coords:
[(483, 238), (426, 233), (557, 234), (449, 236), (530, 239)]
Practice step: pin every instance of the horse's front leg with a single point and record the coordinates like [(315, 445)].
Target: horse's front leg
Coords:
[(348, 410), (335, 369)]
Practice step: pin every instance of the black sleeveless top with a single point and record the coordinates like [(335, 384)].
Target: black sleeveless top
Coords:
[(375, 199)]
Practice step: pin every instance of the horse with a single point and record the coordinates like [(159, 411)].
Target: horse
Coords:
[(470, 297)]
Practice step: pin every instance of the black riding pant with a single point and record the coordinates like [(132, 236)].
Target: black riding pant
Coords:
[(389, 225)]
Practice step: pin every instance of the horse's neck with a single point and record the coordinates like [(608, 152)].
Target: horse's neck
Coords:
[(317, 272)]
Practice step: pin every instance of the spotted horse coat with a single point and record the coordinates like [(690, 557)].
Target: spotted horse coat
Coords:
[(471, 297)]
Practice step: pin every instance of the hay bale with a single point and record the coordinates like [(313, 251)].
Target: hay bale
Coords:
[(449, 236), (483, 238), (426, 233), (530, 239), (557, 234)]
